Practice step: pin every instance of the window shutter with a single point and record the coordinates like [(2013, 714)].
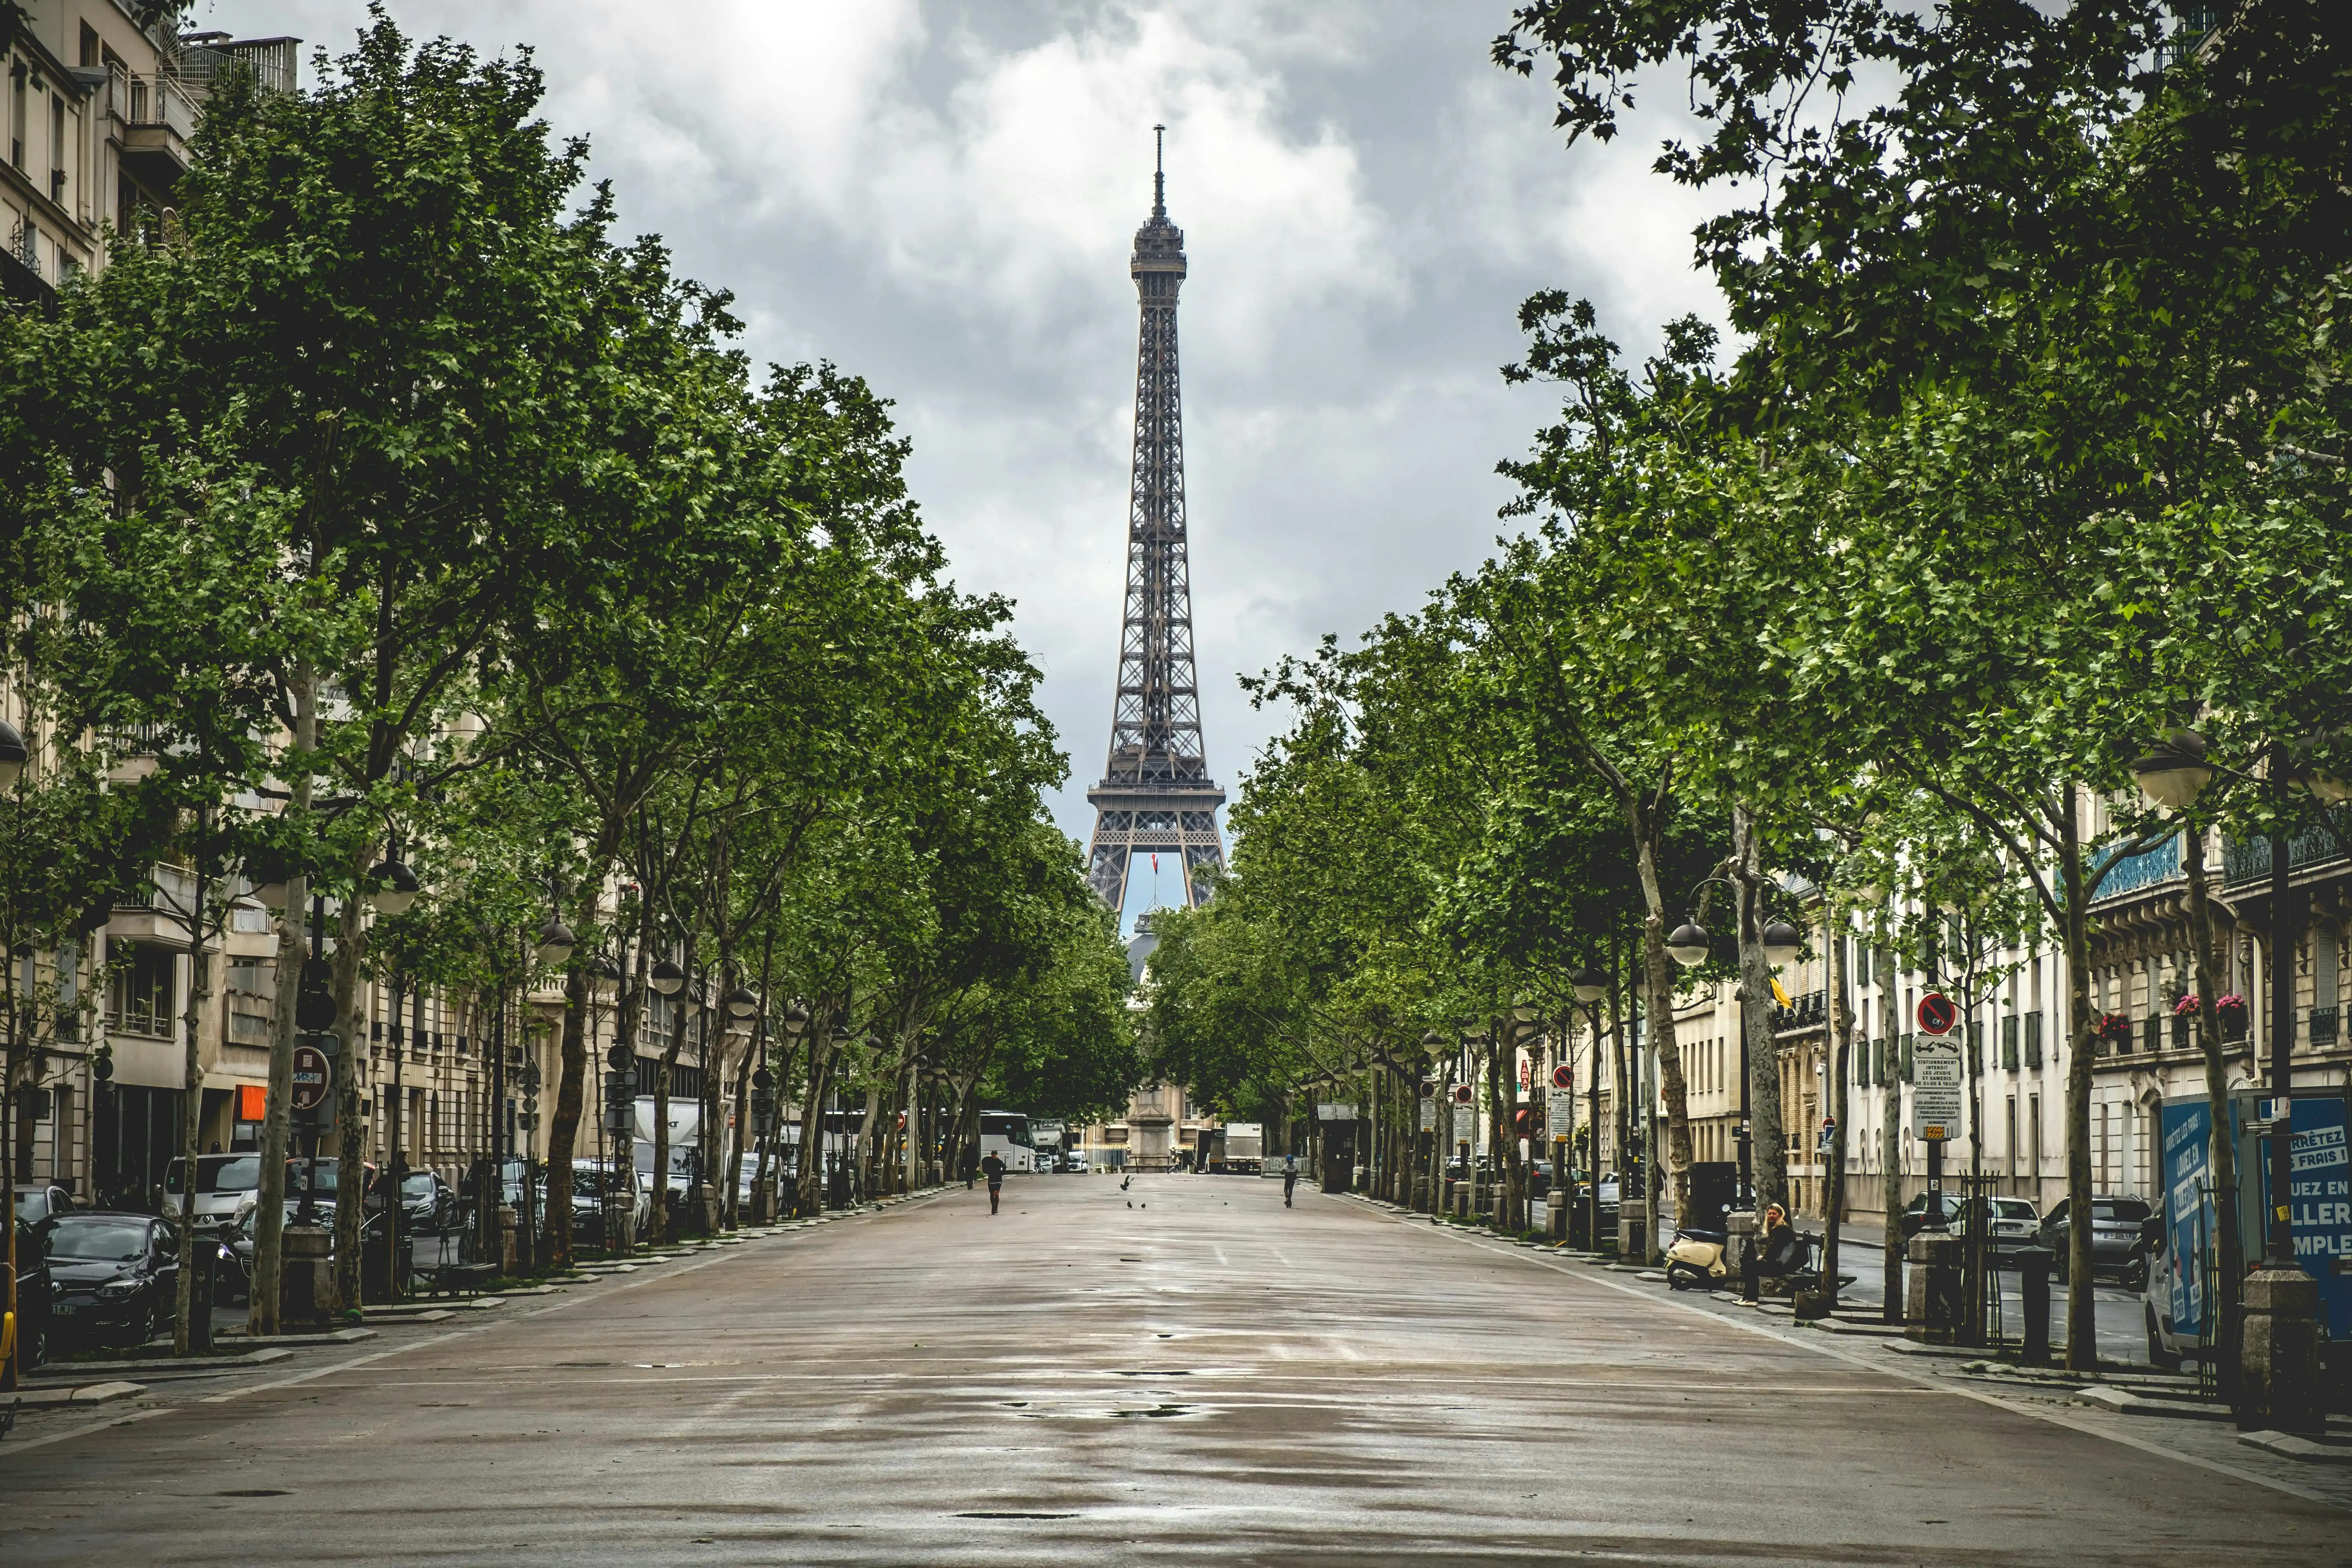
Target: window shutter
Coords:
[(2009, 1043), (2033, 1039)]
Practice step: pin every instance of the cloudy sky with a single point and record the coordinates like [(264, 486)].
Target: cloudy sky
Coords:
[(942, 197)]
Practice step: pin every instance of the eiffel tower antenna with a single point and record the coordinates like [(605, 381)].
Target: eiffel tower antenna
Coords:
[(1156, 796)]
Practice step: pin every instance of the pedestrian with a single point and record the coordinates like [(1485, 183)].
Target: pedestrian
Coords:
[(971, 1166), (1783, 1253), (1289, 1177), (993, 1168)]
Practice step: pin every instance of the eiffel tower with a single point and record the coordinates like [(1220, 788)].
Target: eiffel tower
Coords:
[(1156, 796)]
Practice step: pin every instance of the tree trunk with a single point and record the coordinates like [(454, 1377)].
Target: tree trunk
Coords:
[(1766, 1152), (192, 1108), (2230, 1270), (1838, 983), (351, 1151), (1657, 974), (661, 1115), (809, 1175), (730, 1197), (2081, 1307), (570, 1097), (277, 1113), (1890, 1157)]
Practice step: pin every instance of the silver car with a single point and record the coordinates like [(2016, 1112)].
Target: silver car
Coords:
[(222, 1183)]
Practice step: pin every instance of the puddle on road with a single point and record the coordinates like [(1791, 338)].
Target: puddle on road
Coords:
[(1157, 1412)]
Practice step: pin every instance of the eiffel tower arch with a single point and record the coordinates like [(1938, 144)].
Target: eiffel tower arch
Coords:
[(1156, 796)]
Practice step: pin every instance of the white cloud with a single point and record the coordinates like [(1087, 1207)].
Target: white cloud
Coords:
[(942, 197)]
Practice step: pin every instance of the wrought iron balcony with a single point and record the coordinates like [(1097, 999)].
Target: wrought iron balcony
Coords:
[(2329, 840), (2136, 873)]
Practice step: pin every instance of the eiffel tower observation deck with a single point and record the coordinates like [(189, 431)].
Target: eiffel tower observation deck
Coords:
[(1156, 796)]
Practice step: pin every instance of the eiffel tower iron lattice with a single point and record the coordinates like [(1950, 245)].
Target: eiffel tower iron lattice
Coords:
[(1156, 796)]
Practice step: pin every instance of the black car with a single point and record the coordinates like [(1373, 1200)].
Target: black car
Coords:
[(2114, 1235), (1914, 1214), (33, 1293), (113, 1276)]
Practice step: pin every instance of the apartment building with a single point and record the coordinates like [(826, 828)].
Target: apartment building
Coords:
[(98, 115)]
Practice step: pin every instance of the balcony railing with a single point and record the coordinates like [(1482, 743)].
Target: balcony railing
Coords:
[(2330, 839), (2133, 872), (2322, 1028), (1807, 1010)]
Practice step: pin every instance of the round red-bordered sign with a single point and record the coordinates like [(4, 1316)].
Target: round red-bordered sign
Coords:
[(313, 1076), (1563, 1076), (1937, 1014)]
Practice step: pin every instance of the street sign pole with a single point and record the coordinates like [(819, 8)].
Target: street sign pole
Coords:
[(1938, 1092)]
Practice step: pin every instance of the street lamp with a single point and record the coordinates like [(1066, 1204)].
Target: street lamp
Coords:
[(1781, 943), (741, 1003), (666, 979), (13, 754), (555, 943), (1688, 946), (393, 886), (2175, 772)]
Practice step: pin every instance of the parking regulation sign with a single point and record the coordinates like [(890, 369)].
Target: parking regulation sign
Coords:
[(1937, 1014), (313, 1077), (1563, 1076), (1937, 1089)]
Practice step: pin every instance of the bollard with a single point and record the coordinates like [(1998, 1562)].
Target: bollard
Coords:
[(2033, 1283), (1739, 1227), (202, 1289), (1556, 1214), (2278, 1363), (305, 1283), (1931, 1288)]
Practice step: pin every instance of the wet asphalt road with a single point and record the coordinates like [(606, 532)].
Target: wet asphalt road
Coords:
[(1203, 1377)]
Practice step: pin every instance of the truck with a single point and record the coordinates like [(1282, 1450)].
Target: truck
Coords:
[(1245, 1148), (1045, 1142)]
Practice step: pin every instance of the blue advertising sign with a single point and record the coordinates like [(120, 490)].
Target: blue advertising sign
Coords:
[(2320, 1201), (2186, 1130)]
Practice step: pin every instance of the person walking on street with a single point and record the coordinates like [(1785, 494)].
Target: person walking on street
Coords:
[(993, 1168), (971, 1168), (1289, 1177)]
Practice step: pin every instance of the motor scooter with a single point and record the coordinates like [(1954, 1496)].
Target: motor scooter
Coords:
[(1696, 1260)]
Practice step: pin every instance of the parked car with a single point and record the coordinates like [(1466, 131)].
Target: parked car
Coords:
[(1915, 1212), (113, 1275), (1075, 1161), (591, 1181), (221, 1181), (238, 1238), (2114, 1235), (35, 1204), (32, 1293), (2014, 1223), (428, 1204)]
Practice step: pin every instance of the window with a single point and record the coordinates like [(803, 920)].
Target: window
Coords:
[(141, 991), (88, 45), (2009, 1142)]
